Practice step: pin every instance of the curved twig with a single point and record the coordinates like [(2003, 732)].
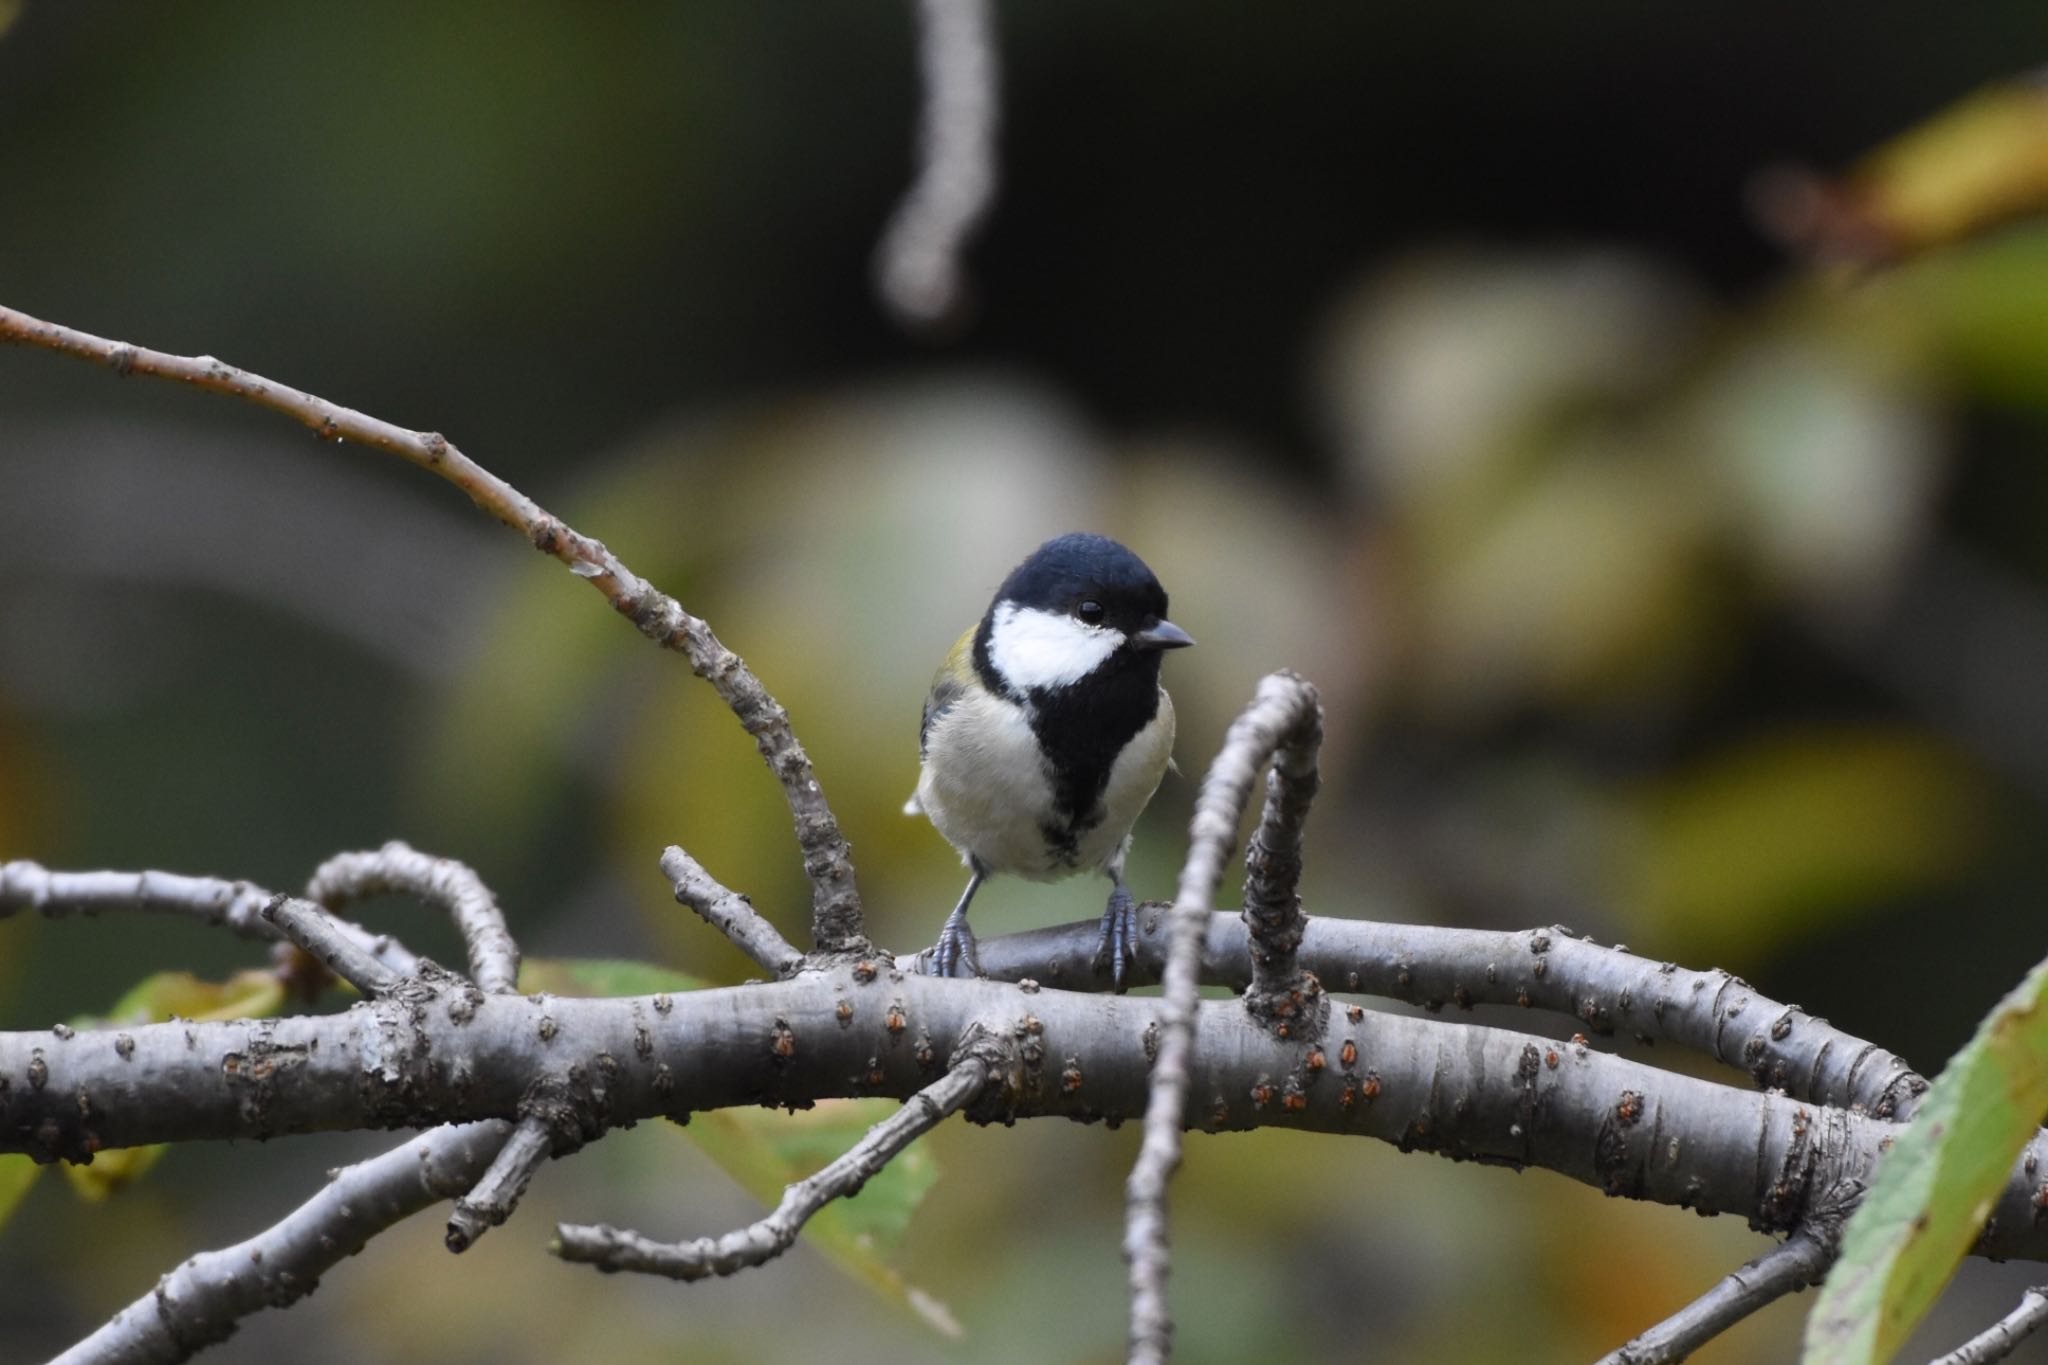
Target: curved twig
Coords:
[(441, 882), (1280, 990), (828, 862), (610, 1248)]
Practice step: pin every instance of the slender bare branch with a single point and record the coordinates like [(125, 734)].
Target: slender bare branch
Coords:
[(729, 913), (496, 1192), (835, 899), (1280, 990), (319, 933), (1798, 1261), (201, 1301), (611, 1248), (1998, 1341), (441, 882), (1276, 710), (1604, 990), (234, 905), (918, 267)]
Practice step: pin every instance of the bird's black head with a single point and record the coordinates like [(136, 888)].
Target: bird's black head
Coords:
[(1078, 603)]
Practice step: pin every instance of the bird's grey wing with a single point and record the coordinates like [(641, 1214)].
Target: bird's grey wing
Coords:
[(937, 702), (947, 688)]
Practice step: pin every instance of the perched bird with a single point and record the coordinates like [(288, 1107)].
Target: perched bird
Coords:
[(1046, 732)]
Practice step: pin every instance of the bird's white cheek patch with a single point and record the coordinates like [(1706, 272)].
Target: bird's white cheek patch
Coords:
[(1033, 648)]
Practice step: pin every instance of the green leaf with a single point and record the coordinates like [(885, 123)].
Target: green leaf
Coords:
[(765, 1150), (598, 976), (1931, 1194), (17, 1173), (250, 994)]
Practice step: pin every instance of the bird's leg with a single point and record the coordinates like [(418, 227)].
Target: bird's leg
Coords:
[(955, 948), (1119, 930)]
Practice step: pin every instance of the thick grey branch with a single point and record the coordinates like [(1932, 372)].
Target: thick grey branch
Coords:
[(320, 934), (835, 900), (233, 905), (611, 1248), (918, 269), (729, 913), (438, 1051), (497, 1191), (1606, 990), (442, 883), (1276, 710), (1998, 1341), (1793, 1264), (200, 1302)]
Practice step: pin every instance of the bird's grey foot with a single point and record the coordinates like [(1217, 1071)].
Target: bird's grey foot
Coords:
[(1119, 934), (954, 954)]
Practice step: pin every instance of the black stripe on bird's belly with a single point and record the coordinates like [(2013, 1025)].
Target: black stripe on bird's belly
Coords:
[(1082, 729)]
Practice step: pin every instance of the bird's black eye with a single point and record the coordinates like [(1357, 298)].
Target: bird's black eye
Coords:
[(1090, 611)]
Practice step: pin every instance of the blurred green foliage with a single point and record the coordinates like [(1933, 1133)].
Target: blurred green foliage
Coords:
[(1656, 582)]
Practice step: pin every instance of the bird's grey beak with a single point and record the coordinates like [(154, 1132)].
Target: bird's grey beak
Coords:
[(1165, 635)]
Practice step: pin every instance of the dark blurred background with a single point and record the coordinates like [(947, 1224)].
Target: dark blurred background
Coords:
[(1672, 578)]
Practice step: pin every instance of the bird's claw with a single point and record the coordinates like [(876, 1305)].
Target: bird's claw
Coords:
[(1119, 940), (954, 954)]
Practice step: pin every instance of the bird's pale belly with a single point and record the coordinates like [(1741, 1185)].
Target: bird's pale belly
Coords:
[(984, 786)]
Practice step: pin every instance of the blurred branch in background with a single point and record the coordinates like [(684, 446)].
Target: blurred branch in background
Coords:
[(920, 266)]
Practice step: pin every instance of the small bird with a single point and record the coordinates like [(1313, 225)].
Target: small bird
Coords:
[(1046, 731)]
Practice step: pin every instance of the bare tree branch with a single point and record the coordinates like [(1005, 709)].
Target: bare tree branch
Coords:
[(1605, 990), (918, 268), (1279, 990), (319, 933), (201, 1301), (441, 882), (611, 1248), (1800, 1260), (496, 1193), (729, 913), (1999, 1340), (234, 905), (1277, 709), (835, 899)]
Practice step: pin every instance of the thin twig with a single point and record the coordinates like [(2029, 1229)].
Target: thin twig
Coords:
[(319, 933), (497, 1191), (1276, 709), (729, 912), (835, 900), (1798, 1261), (441, 882), (918, 268), (234, 906), (1997, 1341), (201, 1301), (1280, 992), (611, 1248)]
